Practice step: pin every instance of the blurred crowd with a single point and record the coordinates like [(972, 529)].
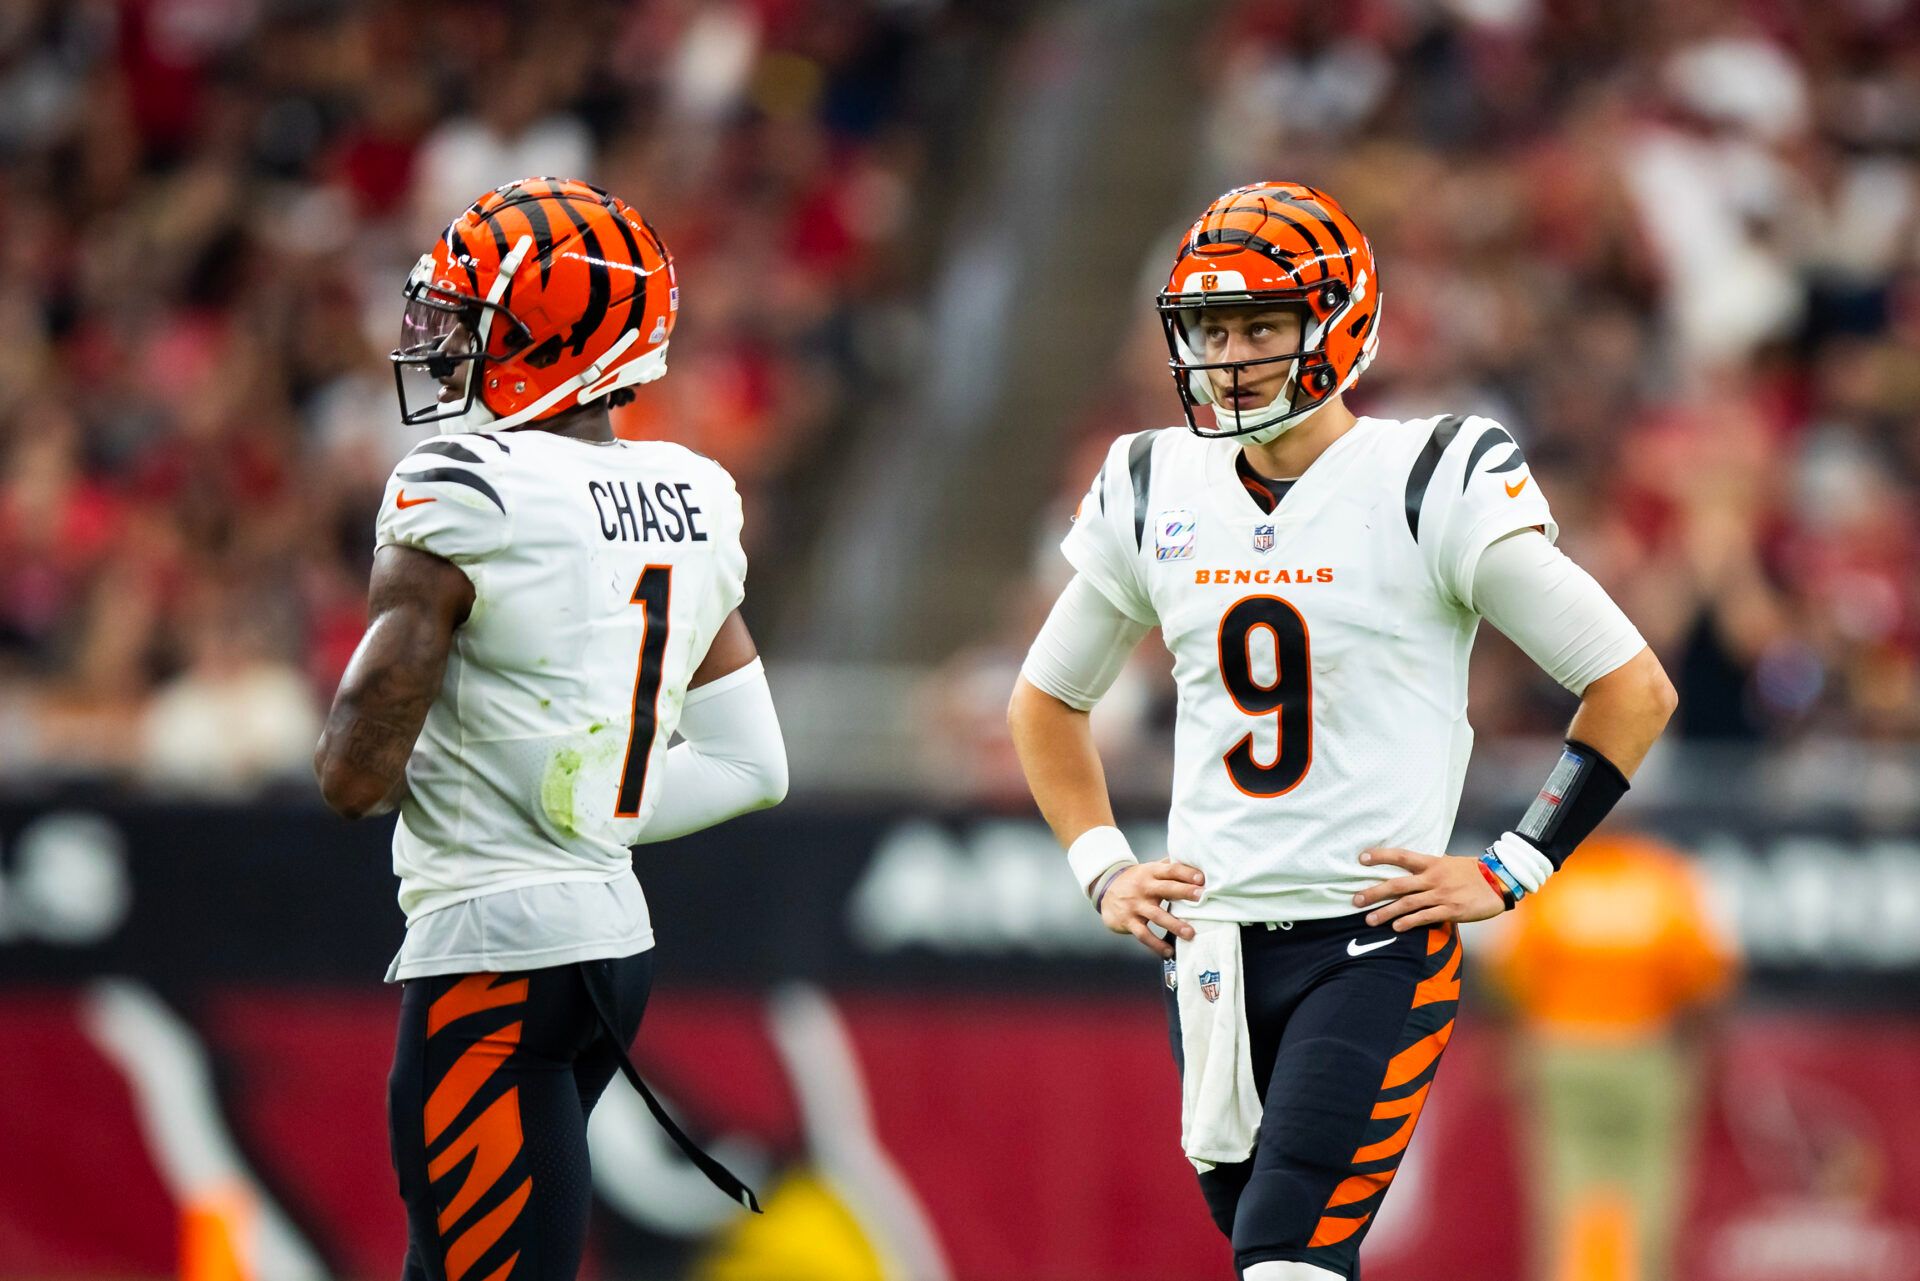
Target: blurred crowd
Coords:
[(207, 208), (1674, 248)]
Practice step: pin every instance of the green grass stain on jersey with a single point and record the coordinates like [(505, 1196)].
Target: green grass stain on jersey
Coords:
[(595, 729), (556, 789)]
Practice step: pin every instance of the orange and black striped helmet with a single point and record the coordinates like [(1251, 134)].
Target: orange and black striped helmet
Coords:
[(545, 294), (1274, 244)]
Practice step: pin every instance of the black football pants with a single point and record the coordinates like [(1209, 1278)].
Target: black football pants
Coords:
[(493, 1078), (1346, 1024)]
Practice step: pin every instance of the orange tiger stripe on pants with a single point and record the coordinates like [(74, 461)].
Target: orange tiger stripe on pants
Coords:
[(494, 1078), (1347, 1024)]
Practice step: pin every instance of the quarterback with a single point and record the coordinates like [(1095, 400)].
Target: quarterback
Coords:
[(1318, 579), (548, 606)]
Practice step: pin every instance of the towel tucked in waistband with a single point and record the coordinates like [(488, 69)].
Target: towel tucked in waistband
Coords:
[(1219, 1104)]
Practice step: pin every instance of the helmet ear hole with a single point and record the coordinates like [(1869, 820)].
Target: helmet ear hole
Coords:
[(545, 354)]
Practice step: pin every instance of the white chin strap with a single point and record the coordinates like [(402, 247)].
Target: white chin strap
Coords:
[(1256, 426)]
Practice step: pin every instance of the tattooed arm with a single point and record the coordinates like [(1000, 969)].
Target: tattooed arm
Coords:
[(415, 601)]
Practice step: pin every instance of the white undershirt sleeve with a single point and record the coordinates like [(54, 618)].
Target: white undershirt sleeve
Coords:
[(1082, 646), (1553, 610), (733, 761)]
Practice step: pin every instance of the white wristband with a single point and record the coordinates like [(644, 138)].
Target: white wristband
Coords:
[(1095, 851), (1521, 857)]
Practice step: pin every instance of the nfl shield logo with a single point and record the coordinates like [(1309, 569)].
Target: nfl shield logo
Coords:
[(1210, 984), (1263, 538), (1167, 972)]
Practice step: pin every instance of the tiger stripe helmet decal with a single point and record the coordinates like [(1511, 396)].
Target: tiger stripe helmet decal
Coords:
[(547, 293), (1273, 244)]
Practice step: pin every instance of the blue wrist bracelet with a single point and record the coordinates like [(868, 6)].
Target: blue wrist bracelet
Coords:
[(1514, 889)]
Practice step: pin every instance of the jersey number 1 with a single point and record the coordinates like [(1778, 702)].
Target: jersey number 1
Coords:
[(1289, 699), (654, 590)]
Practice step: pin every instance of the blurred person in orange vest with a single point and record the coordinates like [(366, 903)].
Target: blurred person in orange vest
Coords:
[(1602, 971)]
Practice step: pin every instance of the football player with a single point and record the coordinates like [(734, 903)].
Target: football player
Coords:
[(549, 605), (1318, 579)]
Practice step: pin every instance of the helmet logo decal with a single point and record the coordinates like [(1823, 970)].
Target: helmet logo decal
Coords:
[(1210, 281)]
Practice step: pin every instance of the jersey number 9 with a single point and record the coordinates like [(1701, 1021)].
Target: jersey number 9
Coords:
[(654, 591), (1289, 699)]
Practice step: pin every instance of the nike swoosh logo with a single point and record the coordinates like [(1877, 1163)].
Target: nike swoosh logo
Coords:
[(1354, 947), (1513, 491), (401, 500)]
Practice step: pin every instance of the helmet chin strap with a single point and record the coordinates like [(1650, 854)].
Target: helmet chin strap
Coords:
[(477, 416), (577, 386), (1232, 420)]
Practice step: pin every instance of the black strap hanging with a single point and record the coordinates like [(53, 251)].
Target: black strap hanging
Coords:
[(595, 975)]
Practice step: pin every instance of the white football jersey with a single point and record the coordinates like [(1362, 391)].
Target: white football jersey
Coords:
[(1320, 651), (601, 573)]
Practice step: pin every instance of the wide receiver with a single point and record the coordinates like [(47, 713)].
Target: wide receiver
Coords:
[(1318, 579), (549, 604)]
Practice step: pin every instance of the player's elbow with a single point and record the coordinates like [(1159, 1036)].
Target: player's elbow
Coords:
[(1031, 707), (1655, 691), (773, 781), (348, 792), (1642, 688)]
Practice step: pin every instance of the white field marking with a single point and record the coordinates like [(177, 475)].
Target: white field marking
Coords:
[(166, 1068), (825, 1073)]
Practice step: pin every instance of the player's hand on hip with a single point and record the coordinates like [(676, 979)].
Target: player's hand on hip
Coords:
[(1438, 888), (1133, 901)]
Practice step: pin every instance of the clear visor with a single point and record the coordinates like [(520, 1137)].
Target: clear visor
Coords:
[(435, 362), (431, 318)]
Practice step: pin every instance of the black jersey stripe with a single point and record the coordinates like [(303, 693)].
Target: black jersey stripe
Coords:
[(459, 476), (1423, 468), (450, 448), (1488, 439), (487, 435), (1140, 471)]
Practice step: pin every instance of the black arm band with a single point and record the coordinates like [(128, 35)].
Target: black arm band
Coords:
[(1579, 794)]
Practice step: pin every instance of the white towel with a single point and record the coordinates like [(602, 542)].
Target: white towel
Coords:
[(1219, 1105)]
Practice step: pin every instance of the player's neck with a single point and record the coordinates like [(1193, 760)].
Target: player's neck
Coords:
[(1293, 451), (589, 422)]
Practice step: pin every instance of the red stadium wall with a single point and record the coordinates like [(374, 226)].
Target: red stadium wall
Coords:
[(833, 976), (1038, 1134)]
